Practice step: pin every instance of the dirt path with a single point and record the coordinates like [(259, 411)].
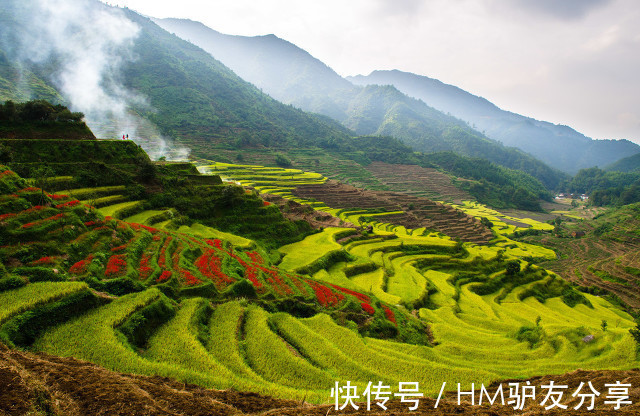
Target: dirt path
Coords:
[(39, 384)]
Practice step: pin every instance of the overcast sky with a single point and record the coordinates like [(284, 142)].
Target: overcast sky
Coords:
[(573, 62)]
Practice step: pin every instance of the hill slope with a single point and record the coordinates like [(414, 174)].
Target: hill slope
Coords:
[(291, 75), (627, 164), (559, 146), (186, 93)]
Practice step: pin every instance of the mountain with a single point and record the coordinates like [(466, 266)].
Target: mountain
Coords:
[(559, 146), (293, 76), (627, 164), (286, 72), (179, 88), (181, 91)]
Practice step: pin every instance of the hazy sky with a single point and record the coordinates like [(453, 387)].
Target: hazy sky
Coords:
[(573, 62)]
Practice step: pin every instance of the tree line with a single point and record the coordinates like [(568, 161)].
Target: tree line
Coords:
[(37, 111)]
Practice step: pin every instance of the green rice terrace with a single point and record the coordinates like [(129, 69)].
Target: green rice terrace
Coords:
[(402, 288)]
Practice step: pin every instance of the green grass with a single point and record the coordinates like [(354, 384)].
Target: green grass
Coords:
[(16, 301), (82, 193), (113, 210), (203, 231), (146, 217), (312, 248)]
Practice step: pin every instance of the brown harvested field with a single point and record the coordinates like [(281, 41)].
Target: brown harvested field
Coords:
[(39, 384), (418, 181), (418, 212), (295, 211), (591, 261)]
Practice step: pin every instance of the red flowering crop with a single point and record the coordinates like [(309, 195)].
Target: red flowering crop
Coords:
[(81, 266), (5, 216), (30, 189), (57, 197), (266, 203), (68, 204), (255, 257), (367, 308), (390, 315), (360, 296), (175, 258), (210, 266), (325, 296), (119, 248), (164, 276), (162, 258), (53, 218), (189, 279), (252, 274), (299, 285), (44, 260), (217, 243), (116, 266)]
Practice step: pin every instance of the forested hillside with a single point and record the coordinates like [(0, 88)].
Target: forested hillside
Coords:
[(627, 164), (607, 188), (559, 146), (269, 63), (189, 95)]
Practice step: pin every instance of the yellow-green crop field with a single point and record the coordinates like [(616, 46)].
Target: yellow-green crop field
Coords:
[(247, 348), (489, 321)]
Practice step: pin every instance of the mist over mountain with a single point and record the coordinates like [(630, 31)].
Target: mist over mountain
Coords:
[(294, 77), (560, 146), (145, 81)]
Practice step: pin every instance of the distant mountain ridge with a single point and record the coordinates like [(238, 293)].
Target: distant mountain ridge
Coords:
[(560, 146), (304, 81), (294, 77)]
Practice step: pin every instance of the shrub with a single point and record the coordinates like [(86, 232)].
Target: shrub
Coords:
[(283, 161), (11, 282), (242, 289), (533, 335), (139, 327)]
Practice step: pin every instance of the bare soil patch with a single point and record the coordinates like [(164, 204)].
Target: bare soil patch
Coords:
[(40, 384)]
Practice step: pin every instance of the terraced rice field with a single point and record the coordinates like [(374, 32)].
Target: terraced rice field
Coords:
[(210, 312), (418, 181), (604, 263), (402, 210), (332, 166), (247, 348)]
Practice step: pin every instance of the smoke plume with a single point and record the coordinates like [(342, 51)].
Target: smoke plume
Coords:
[(90, 42)]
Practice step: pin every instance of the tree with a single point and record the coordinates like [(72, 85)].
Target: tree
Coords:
[(513, 267), (282, 161), (41, 176), (604, 325)]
